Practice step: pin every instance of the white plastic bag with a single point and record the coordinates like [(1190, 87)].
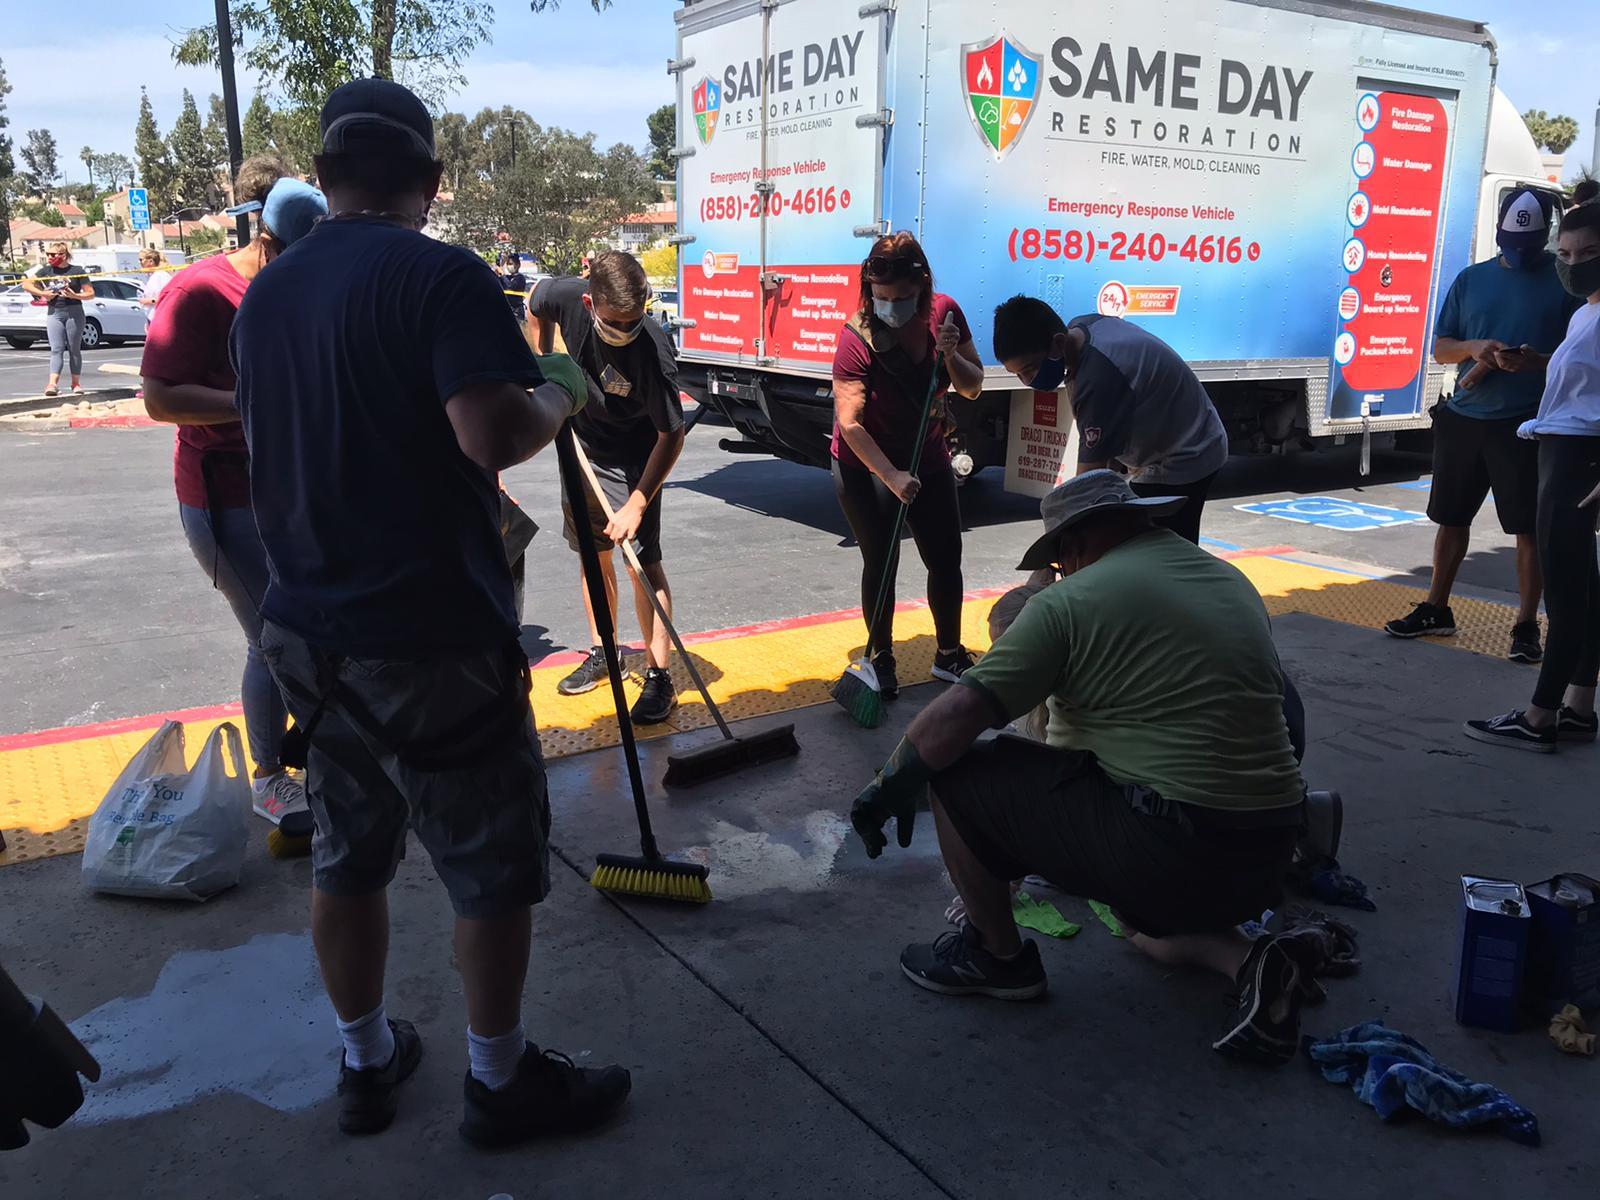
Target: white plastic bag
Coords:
[(169, 832)]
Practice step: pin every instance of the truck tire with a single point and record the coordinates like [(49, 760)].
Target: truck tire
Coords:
[(20, 343)]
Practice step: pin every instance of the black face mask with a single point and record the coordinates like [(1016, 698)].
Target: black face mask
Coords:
[(1581, 279)]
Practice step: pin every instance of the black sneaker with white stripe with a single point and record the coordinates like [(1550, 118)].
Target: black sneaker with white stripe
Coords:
[(1573, 726), (1271, 987), (1513, 730), (951, 667), (1424, 620), (956, 964), (1525, 643)]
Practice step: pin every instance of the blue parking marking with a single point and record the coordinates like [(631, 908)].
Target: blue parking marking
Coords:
[(1420, 485), (1330, 512)]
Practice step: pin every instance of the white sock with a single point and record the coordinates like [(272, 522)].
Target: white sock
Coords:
[(494, 1059), (368, 1040)]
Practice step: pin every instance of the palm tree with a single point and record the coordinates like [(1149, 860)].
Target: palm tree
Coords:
[(86, 157)]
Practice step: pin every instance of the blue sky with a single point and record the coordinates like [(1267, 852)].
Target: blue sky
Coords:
[(591, 72)]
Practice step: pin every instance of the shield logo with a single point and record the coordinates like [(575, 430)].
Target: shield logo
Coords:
[(707, 108), (1001, 81)]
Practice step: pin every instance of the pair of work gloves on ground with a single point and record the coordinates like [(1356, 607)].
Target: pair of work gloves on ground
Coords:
[(896, 791)]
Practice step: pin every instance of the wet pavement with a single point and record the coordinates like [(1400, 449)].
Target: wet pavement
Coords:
[(777, 1051)]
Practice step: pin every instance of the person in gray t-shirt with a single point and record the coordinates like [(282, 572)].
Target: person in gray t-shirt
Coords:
[(1136, 403)]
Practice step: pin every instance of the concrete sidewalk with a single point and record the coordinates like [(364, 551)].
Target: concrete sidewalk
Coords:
[(777, 1050)]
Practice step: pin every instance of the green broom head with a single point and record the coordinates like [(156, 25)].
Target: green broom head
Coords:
[(292, 837), (858, 692), (651, 878)]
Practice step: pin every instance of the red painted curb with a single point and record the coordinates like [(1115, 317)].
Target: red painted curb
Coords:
[(124, 421)]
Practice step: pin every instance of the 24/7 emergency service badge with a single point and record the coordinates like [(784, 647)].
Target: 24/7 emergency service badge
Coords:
[(1001, 79), (707, 108)]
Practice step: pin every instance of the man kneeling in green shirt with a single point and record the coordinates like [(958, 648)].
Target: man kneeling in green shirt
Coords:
[(1169, 788)]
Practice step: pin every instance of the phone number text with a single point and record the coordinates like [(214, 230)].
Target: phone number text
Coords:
[(749, 208), (1075, 245)]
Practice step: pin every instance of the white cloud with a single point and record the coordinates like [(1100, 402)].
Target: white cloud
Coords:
[(602, 99)]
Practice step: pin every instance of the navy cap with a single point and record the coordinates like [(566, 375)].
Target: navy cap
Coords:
[(376, 116)]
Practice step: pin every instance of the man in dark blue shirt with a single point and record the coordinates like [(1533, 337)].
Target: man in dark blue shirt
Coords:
[(1500, 321), (383, 382)]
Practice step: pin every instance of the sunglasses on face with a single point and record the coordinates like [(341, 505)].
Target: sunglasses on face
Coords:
[(882, 268)]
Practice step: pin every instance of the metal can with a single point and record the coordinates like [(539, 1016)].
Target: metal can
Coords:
[(1496, 925)]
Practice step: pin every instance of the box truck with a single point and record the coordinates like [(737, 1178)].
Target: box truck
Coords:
[(1280, 189)]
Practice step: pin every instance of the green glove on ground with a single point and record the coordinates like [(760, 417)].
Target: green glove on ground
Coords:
[(560, 370), (1041, 917), (895, 792)]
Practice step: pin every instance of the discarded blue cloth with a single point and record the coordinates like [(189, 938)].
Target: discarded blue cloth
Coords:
[(1393, 1072), (1325, 880)]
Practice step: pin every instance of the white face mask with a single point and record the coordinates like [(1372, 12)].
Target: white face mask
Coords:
[(611, 335)]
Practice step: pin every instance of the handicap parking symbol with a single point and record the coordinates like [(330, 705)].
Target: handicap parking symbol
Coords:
[(1329, 512)]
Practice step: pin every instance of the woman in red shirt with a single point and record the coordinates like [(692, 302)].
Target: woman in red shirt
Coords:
[(903, 336), (189, 381)]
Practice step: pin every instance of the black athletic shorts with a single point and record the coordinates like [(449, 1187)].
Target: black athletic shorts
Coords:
[(1470, 457), (618, 485), (1166, 868), (1186, 521)]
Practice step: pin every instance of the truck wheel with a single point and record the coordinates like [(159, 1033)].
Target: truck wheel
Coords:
[(91, 334), (20, 343)]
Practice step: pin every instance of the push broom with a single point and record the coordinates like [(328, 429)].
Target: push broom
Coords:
[(858, 691), (733, 753), (649, 873)]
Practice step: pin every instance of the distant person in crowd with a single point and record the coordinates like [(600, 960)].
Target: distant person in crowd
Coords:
[(904, 339), (189, 382), (583, 267), (64, 287), (1167, 789), (1567, 429), (383, 384), (1500, 321), (513, 280), (632, 431), (1136, 403), (157, 276), (1587, 191)]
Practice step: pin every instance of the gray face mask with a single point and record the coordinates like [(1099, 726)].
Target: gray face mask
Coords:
[(895, 313), (1581, 279)]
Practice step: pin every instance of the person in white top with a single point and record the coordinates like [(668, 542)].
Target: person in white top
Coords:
[(1568, 432), (155, 280)]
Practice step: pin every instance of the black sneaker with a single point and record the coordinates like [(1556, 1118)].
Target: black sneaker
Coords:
[(1271, 988), (951, 667), (550, 1095), (888, 680), (659, 698), (1424, 620), (956, 964), (590, 674), (367, 1097), (1525, 643), (1512, 729), (1571, 726)]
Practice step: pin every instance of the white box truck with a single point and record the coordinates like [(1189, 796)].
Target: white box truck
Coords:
[(1281, 189)]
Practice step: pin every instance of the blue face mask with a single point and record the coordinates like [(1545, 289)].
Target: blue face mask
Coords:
[(1049, 375), (895, 313), (1520, 256)]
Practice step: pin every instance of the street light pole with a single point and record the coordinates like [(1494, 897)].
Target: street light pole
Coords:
[(230, 110)]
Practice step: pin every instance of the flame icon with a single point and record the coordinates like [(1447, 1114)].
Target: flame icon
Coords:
[(985, 76)]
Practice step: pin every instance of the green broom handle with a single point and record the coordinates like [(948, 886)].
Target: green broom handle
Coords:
[(900, 514), (571, 482)]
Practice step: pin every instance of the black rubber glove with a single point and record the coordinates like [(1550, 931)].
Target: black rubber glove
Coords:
[(895, 792), (40, 1061)]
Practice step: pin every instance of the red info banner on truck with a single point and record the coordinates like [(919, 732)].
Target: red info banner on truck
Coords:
[(801, 313)]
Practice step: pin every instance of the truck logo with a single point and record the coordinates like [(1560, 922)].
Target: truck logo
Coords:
[(707, 108), (1001, 81)]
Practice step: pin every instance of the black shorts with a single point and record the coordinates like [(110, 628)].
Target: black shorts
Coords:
[(1470, 457), (1166, 868), (1186, 521), (618, 484)]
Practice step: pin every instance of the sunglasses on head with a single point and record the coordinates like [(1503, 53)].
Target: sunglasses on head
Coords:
[(884, 268)]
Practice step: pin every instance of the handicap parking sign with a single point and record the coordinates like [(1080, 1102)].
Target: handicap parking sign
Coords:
[(1330, 512)]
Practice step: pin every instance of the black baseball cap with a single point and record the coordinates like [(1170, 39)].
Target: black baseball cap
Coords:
[(376, 116)]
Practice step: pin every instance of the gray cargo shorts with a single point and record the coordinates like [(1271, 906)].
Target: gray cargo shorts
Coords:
[(389, 751)]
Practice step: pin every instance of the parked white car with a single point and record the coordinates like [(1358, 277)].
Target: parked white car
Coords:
[(114, 315)]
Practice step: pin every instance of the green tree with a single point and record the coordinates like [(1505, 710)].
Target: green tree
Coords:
[(216, 131), (96, 212), (496, 136), (557, 199), (8, 165), (663, 127), (312, 48), (201, 240), (112, 169), (86, 157), (660, 262), (155, 166), (1555, 134), (257, 127), (40, 155), (192, 176), (540, 6), (297, 135), (451, 140), (49, 214)]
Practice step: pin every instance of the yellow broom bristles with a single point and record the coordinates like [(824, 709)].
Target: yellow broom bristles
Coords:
[(656, 885)]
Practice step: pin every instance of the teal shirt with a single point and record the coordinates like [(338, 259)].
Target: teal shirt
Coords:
[(1159, 659), (1519, 308)]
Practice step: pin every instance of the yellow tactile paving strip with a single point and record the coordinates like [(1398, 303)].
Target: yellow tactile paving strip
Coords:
[(48, 791)]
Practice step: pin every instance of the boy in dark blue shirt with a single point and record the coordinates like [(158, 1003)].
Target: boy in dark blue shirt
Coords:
[(1500, 321)]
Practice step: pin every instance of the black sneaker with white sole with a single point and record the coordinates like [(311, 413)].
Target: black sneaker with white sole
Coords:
[(550, 1095), (956, 964), (1525, 643), (367, 1098), (1573, 726), (951, 667), (1271, 988), (590, 673), (888, 678), (659, 698), (1424, 620), (1513, 730)]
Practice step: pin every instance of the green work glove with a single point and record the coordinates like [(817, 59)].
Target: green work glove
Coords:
[(894, 792), (560, 370)]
